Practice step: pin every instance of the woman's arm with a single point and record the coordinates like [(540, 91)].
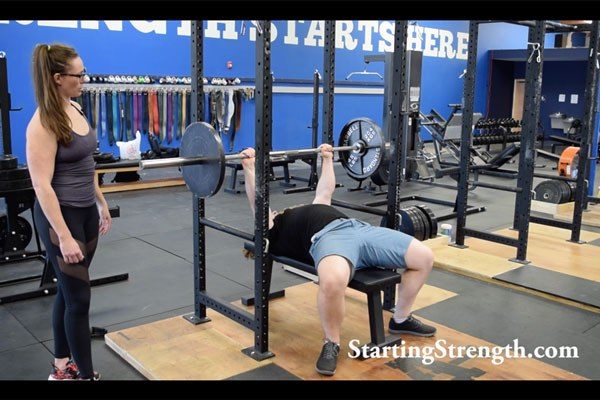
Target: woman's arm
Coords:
[(105, 218), (41, 148)]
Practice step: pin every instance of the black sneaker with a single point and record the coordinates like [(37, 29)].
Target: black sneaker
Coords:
[(411, 326), (328, 359)]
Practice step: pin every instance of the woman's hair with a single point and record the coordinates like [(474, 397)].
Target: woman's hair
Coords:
[(47, 61)]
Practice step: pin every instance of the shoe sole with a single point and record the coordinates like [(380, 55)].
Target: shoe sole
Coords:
[(328, 373), (50, 378), (412, 333)]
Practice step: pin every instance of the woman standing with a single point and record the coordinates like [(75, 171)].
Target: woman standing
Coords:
[(60, 146)]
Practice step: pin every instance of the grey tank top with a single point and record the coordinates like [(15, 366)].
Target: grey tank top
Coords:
[(74, 170)]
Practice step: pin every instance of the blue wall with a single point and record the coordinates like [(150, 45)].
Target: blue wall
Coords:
[(494, 37), (559, 77), (167, 52), (130, 51)]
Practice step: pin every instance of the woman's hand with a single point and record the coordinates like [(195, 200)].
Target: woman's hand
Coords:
[(71, 251), (105, 220)]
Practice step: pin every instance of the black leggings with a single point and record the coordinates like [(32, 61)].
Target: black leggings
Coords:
[(70, 317)]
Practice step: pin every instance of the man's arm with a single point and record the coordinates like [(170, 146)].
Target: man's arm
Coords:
[(326, 184), (249, 178), (249, 182)]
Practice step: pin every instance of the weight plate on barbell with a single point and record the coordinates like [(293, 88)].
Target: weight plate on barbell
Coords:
[(201, 140), (361, 165), (381, 175)]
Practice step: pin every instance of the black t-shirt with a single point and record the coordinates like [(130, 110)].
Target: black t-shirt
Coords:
[(292, 230)]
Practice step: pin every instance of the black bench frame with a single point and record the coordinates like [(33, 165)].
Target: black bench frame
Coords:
[(371, 281)]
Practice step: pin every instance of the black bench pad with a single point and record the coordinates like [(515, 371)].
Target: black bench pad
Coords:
[(365, 280)]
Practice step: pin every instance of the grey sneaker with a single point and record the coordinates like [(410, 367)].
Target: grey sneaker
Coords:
[(411, 326), (327, 361)]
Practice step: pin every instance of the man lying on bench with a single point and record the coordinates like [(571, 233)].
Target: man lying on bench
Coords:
[(337, 245)]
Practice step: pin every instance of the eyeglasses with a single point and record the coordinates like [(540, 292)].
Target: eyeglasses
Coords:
[(78, 76)]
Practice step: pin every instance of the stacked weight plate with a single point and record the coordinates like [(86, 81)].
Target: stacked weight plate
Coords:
[(416, 221), (555, 191)]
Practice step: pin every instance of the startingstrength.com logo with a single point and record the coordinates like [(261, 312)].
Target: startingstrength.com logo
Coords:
[(442, 350)]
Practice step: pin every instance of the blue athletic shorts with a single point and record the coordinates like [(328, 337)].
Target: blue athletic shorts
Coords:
[(362, 244)]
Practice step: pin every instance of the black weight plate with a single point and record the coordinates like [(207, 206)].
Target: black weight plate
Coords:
[(431, 218), (8, 161), (406, 223), (22, 237), (426, 231), (15, 185), (419, 226), (425, 222), (566, 191), (381, 176), (201, 140), (416, 221), (21, 172), (361, 165), (548, 191), (383, 222)]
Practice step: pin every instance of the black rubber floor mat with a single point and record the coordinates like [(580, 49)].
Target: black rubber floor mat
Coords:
[(268, 372), (566, 286)]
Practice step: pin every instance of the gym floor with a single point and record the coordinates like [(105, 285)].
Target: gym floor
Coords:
[(152, 241)]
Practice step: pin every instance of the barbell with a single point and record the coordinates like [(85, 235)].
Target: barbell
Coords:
[(202, 159)]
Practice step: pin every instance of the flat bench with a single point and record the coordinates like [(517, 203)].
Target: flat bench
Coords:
[(370, 281), (132, 165)]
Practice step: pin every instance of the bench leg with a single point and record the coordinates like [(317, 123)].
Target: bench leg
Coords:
[(376, 325), (376, 317), (389, 298)]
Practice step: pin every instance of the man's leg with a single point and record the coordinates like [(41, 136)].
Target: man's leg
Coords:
[(334, 273), (419, 262)]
